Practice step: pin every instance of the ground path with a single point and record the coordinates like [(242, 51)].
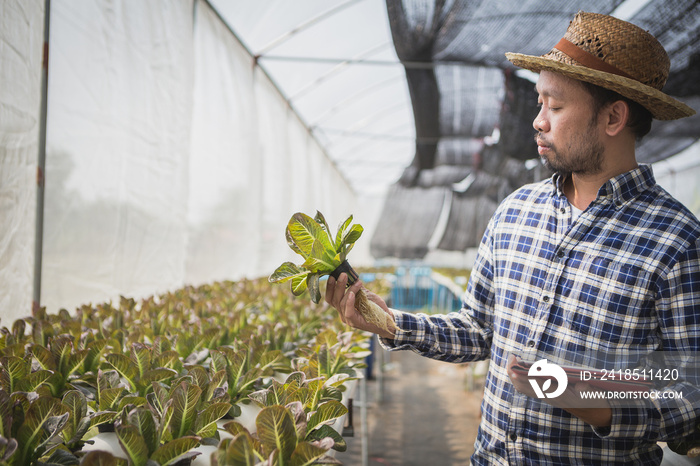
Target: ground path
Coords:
[(425, 416)]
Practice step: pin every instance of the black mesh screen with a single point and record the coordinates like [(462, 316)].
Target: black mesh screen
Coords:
[(473, 113)]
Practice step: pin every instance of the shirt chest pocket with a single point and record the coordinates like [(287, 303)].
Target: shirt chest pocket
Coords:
[(613, 301)]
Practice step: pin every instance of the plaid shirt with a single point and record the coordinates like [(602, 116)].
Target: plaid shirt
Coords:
[(624, 275)]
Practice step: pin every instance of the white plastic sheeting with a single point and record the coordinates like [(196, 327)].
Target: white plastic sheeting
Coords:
[(171, 158), (252, 165), (120, 86), (335, 62), (21, 45)]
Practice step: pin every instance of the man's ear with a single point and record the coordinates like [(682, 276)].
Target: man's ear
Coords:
[(616, 115)]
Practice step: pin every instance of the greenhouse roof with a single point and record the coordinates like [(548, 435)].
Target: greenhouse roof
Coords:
[(337, 64), (417, 94)]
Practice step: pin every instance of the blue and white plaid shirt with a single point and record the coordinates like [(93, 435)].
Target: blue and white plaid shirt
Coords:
[(625, 275)]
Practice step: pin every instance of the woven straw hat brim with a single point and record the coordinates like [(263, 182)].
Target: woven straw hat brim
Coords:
[(661, 106)]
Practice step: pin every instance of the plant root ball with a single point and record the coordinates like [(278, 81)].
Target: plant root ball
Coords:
[(372, 313)]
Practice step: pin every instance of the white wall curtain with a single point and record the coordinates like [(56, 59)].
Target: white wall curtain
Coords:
[(21, 46), (171, 159)]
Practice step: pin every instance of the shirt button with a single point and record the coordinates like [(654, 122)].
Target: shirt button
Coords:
[(513, 437), (560, 253), (563, 210), (531, 344), (545, 299)]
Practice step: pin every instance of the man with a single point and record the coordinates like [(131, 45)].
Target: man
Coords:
[(597, 259)]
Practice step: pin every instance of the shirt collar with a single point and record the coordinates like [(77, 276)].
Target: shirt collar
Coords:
[(620, 189)]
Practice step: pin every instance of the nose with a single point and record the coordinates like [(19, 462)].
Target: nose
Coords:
[(540, 122)]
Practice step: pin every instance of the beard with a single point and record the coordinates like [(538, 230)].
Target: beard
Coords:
[(582, 155)]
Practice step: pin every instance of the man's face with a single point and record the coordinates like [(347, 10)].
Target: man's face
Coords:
[(568, 138)]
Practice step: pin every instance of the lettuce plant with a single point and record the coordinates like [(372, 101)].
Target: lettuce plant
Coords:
[(243, 367), (62, 359), (320, 399), (324, 254), (16, 375), (332, 354), (183, 412), (141, 436), (30, 426), (311, 238), (286, 436), (78, 421), (140, 368), (110, 398)]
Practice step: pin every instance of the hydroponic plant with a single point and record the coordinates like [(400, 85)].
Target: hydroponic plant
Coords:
[(180, 361), (325, 254)]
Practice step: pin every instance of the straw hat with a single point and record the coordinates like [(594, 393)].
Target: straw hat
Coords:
[(613, 54)]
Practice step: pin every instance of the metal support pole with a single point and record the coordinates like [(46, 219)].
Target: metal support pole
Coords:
[(363, 421), (41, 163), (380, 355)]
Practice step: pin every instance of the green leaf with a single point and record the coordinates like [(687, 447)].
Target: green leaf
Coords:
[(205, 424), (321, 264), (185, 398), (235, 428), (238, 451), (126, 367), (327, 431), (218, 361), (12, 371), (352, 235), (43, 421), (314, 290), (305, 231), (8, 447), (326, 412), (130, 399), (277, 431), (299, 284), (287, 271), (160, 374), (6, 405), (158, 397), (141, 356), (133, 444), (321, 220), (291, 243), (44, 357), (35, 380), (165, 420), (217, 381), (68, 360), (143, 419), (176, 450), (110, 397), (341, 233), (18, 329), (76, 404), (168, 360), (42, 331), (62, 458), (306, 454), (236, 369), (92, 359), (102, 417)]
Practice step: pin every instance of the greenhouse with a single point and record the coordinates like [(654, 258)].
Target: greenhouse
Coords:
[(182, 181)]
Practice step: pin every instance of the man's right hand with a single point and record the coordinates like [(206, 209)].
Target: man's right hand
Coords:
[(343, 299)]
